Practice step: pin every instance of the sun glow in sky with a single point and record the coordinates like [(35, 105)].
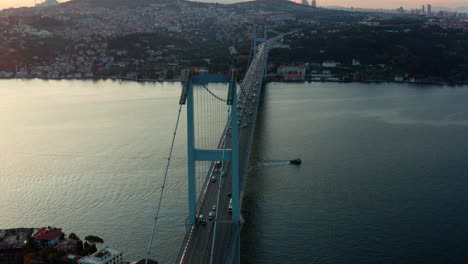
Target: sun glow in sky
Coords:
[(347, 3)]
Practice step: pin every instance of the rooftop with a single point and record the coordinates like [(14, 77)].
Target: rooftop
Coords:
[(14, 238), (101, 256), (48, 233), (292, 66), (143, 261)]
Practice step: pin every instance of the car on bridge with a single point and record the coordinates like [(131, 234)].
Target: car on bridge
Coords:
[(201, 219)]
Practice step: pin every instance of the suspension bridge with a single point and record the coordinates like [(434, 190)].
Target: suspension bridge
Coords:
[(217, 165)]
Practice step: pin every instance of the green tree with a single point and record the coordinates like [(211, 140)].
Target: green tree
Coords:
[(94, 240), (89, 248), (73, 236)]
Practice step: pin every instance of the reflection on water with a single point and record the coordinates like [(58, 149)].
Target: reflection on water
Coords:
[(89, 157), (383, 176), (382, 179)]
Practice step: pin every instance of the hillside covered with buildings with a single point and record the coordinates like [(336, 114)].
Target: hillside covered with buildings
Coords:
[(156, 39)]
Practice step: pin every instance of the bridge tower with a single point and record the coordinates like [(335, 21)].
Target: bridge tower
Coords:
[(192, 78), (259, 32)]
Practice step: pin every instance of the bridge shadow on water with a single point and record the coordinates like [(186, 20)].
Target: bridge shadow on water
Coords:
[(253, 185)]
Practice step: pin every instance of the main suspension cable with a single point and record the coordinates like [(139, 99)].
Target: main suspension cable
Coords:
[(214, 95), (156, 215)]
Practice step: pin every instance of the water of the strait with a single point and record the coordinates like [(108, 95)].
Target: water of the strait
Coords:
[(384, 177)]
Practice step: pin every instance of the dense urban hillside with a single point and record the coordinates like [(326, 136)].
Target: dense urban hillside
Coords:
[(405, 49), (157, 39)]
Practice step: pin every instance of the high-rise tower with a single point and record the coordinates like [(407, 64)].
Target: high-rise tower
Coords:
[(304, 2), (429, 9), (314, 3)]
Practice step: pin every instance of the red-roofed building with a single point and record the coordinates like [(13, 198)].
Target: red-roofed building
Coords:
[(47, 236), (292, 72)]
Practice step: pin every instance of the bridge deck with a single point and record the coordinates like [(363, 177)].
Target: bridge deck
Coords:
[(198, 240)]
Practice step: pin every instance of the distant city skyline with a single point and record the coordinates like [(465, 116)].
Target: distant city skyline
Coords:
[(389, 4), (386, 4)]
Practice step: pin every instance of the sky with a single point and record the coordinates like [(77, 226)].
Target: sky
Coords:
[(388, 4)]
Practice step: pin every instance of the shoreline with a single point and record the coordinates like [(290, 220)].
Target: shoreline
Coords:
[(103, 78), (378, 81), (97, 78)]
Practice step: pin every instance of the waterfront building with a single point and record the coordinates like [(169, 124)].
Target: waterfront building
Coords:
[(370, 23), (143, 261), (106, 255), (47, 236), (4, 74), (12, 241), (330, 64), (399, 78), (71, 258), (67, 245), (292, 72), (356, 62)]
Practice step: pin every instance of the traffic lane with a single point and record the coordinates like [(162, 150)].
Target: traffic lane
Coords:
[(204, 234), (225, 227)]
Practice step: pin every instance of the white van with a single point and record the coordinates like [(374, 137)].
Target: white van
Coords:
[(211, 215)]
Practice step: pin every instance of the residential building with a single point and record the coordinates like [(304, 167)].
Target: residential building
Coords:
[(72, 258), (356, 62), (370, 23), (67, 245), (47, 236), (12, 242), (4, 74), (330, 64), (106, 255), (143, 261)]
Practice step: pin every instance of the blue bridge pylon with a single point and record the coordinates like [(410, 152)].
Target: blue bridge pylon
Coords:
[(192, 78)]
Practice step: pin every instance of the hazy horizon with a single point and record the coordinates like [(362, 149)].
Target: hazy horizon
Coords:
[(386, 4)]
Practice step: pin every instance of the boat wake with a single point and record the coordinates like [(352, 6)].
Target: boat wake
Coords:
[(273, 163)]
